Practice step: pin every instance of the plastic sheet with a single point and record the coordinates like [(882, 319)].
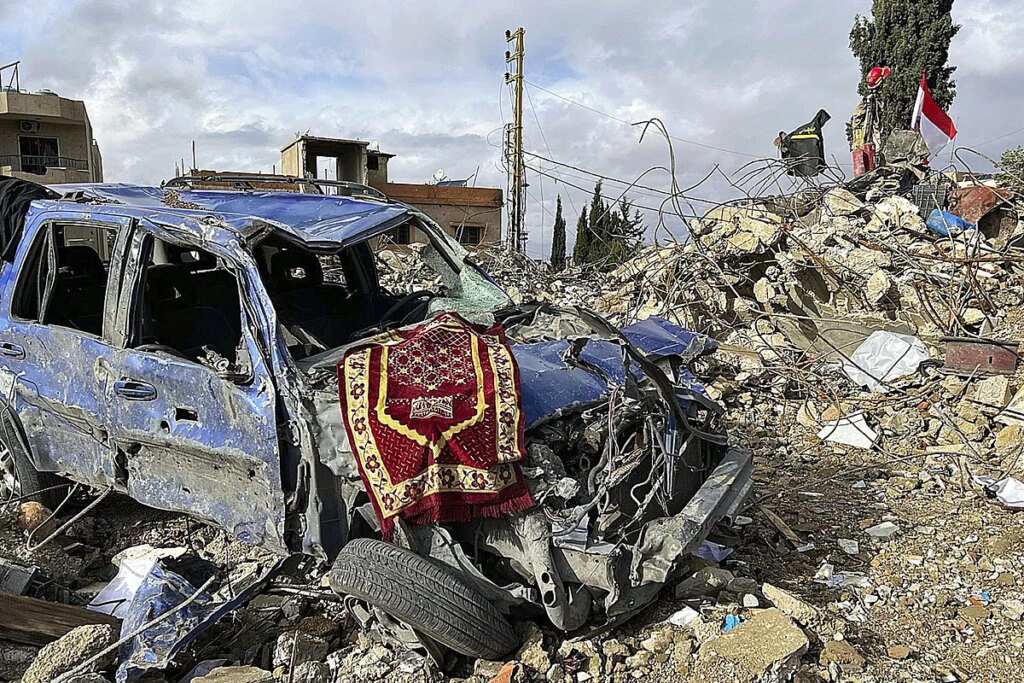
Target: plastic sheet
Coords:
[(944, 223), (883, 357)]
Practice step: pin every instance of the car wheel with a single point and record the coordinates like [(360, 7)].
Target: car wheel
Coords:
[(19, 480), (424, 595)]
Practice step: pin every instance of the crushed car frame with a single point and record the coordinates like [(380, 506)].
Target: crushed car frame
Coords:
[(180, 346)]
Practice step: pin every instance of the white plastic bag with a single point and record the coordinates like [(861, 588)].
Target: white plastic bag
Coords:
[(883, 357)]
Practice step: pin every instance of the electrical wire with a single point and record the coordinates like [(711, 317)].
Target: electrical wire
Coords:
[(630, 123)]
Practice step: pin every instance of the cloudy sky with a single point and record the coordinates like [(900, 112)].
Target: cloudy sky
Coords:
[(241, 78)]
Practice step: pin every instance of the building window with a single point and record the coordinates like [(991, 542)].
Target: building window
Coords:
[(373, 163), (400, 235), (37, 154), (469, 235)]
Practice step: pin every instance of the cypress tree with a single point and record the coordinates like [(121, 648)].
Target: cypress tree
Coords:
[(908, 36), (581, 249), (558, 239)]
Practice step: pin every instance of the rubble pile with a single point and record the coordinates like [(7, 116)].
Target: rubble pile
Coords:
[(867, 355)]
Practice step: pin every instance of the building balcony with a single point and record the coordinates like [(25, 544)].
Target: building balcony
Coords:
[(45, 169)]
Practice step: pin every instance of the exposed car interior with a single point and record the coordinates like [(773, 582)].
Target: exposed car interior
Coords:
[(191, 306), (78, 284), (326, 300)]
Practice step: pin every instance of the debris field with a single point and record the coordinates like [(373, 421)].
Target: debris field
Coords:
[(868, 358)]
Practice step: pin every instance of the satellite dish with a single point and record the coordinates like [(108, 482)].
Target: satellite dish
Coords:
[(374, 146), (439, 175)]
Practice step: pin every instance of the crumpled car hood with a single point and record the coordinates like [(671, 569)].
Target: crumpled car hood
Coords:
[(551, 385)]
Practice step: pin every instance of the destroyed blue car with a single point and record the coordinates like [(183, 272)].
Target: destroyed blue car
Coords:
[(180, 346)]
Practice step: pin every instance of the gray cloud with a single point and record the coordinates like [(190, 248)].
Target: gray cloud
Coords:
[(241, 77)]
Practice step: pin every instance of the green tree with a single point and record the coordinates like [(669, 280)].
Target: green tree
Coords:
[(908, 36), (581, 249), (1011, 167), (558, 239), (612, 233)]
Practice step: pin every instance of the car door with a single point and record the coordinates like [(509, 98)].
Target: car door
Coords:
[(196, 427), (55, 339)]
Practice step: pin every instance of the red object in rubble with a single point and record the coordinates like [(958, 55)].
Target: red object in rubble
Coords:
[(863, 159)]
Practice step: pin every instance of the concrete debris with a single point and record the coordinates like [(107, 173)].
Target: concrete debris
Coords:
[(841, 654), (791, 605), (36, 519), (71, 650), (895, 565), (236, 674), (709, 581), (769, 644)]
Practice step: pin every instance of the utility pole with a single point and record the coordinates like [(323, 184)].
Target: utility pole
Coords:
[(514, 142)]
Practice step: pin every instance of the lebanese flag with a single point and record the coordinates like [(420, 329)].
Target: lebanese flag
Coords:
[(936, 127)]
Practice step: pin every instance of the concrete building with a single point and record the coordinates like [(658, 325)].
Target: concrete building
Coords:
[(470, 214), (47, 138)]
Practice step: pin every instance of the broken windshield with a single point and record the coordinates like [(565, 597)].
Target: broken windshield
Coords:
[(326, 300)]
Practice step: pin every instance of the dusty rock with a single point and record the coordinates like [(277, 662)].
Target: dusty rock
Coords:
[(708, 581), (769, 642), (882, 530), (841, 202), (35, 517), (236, 674), (1009, 440), (70, 650), (878, 287), (295, 647), (898, 652), (532, 653), (311, 672), (1014, 414), (841, 653), (993, 393), (791, 605)]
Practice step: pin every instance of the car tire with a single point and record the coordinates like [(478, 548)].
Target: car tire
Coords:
[(19, 477), (425, 595)]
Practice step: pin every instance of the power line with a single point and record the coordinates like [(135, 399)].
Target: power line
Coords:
[(583, 189), (630, 123)]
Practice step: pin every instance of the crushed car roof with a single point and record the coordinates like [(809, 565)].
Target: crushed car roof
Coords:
[(309, 218)]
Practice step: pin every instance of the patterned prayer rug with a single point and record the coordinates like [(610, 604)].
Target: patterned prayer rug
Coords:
[(434, 418)]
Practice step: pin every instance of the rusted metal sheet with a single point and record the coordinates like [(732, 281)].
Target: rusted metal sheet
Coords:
[(969, 356), (973, 203)]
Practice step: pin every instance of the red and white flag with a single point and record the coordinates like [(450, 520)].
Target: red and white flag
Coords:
[(936, 127)]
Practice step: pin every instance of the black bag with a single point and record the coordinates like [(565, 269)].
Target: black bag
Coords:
[(804, 148), (15, 197)]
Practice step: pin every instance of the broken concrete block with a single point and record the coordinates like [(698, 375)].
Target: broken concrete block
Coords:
[(533, 653), (841, 653), (769, 643), (295, 647), (973, 316), (763, 290), (236, 674), (993, 393), (709, 581), (879, 286), (791, 605), (1009, 440), (1014, 413), (743, 242), (71, 650), (882, 531), (841, 202), (311, 672), (36, 517)]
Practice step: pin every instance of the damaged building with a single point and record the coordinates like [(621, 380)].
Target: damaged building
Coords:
[(46, 138)]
